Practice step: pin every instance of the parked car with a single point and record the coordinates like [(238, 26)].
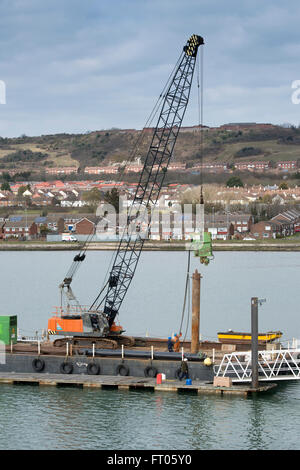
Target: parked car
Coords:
[(68, 237)]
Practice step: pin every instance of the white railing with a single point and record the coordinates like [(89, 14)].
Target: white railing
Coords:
[(28, 339), (24, 338), (273, 365)]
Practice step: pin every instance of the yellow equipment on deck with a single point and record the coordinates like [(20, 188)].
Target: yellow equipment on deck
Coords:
[(238, 337)]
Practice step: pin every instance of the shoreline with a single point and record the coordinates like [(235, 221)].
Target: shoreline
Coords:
[(158, 246)]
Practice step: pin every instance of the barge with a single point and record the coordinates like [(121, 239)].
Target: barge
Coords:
[(148, 361)]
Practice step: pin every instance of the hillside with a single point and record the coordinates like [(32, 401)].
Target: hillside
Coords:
[(99, 148), (272, 144)]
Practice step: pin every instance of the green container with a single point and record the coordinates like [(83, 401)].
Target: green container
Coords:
[(8, 329)]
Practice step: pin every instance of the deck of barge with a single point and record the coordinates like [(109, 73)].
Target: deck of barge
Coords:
[(128, 383), (209, 348)]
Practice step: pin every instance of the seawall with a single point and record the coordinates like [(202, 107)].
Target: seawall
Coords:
[(148, 246)]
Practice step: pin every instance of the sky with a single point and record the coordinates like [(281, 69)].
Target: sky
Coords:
[(78, 66)]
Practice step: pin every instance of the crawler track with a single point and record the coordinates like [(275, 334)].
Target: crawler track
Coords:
[(81, 342)]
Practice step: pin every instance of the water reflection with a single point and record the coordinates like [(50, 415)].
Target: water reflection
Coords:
[(255, 425), (32, 417), (68, 418)]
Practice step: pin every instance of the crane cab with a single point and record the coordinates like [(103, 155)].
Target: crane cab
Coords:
[(78, 321)]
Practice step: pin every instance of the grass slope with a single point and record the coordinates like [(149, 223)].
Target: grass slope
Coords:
[(103, 147)]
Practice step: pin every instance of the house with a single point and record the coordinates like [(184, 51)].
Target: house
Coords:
[(291, 215), (287, 221), (252, 166), (219, 226), (20, 228), (177, 167), (134, 168), (287, 165), (97, 170), (220, 231), (265, 229), (241, 222), (278, 199), (66, 222), (6, 199), (279, 225), (50, 221), (211, 167), (69, 198), (171, 166), (224, 226), (194, 129), (66, 170), (84, 226)]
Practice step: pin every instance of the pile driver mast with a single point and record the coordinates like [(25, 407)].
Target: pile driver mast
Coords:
[(99, 318)]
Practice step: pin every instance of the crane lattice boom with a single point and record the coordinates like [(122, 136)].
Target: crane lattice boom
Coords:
[(150, 182)]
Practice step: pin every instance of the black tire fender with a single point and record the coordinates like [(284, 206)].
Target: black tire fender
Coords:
[(93, 368), (122, 370), (38, 364), (150, 371), (177, 373), (66, 367)]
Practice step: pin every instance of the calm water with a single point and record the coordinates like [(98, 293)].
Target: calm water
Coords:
[(46, 418), (153, 305)]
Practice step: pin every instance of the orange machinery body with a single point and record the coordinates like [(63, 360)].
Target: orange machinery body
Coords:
[(59, 324), (70, 325)]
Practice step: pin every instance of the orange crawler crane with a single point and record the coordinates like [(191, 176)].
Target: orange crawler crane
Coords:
[(96, 324)]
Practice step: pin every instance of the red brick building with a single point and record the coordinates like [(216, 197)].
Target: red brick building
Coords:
[(97, 170), (287, 165), (272, 228), (20, 229), (211, 167), (66, 170), (134, 168), (252, 166), (84, 227), (172, 167), (265, 229)]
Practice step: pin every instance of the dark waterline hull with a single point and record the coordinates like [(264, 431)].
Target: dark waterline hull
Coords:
[(109, 364)]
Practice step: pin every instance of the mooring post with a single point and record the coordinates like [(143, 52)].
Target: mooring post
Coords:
[(254, 341), (195, 312)]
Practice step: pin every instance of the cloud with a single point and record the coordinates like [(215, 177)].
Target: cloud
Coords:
[(72, 66)]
